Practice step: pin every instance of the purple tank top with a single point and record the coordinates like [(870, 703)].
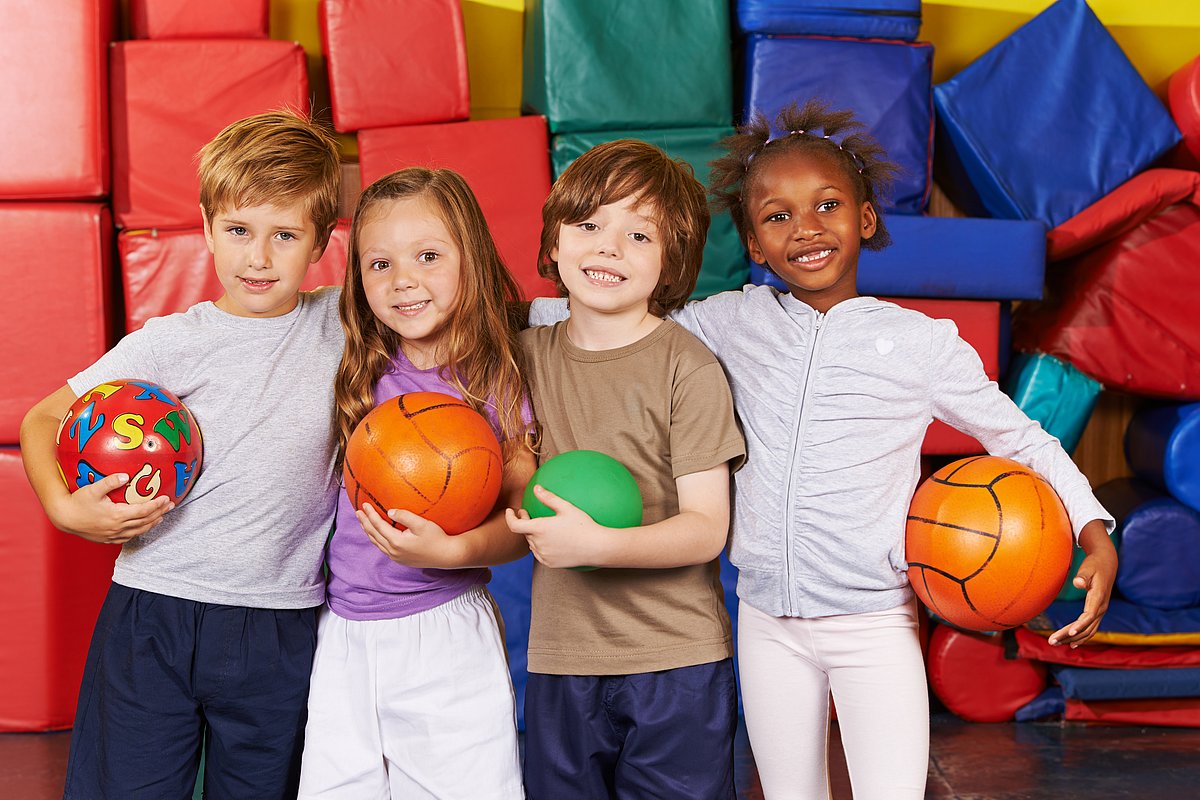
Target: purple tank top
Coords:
[(364, 583)]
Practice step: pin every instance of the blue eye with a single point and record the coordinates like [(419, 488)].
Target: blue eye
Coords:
[(287, 236), (237, 230)]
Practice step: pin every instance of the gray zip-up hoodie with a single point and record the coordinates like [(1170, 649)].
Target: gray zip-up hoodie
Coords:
[(834, 408)]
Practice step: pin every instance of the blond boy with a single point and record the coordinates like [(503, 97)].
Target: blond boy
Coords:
[(210, 621)]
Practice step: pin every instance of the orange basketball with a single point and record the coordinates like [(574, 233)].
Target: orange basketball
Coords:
[(428, 453), (988, 543)]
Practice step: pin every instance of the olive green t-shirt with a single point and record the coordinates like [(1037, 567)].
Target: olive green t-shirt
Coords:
[(662, 407)]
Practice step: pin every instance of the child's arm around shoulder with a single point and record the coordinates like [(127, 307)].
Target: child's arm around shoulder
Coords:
[(87, 512), (696, 535), (423, 544)]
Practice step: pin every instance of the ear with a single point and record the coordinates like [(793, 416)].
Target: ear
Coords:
[(870, 221), (208, 234), (554, 254), (321, 243), (756, 253)]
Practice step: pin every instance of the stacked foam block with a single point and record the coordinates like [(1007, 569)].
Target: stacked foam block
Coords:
[(863, 56), (191, 69), (1069, 143), (409, 103), (56, 232), (659, 72)]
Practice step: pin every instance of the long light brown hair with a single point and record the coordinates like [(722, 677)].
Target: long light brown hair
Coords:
[(479, 353)]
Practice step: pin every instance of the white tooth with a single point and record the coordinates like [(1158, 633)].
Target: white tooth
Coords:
[(813, 256)]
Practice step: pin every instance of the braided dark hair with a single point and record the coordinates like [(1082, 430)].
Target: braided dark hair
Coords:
[(813, 128)]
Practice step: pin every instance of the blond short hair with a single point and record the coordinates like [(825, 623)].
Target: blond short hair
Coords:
[(279, 158)]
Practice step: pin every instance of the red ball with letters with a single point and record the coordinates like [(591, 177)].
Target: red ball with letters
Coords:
[(135, 427), (428, 453)]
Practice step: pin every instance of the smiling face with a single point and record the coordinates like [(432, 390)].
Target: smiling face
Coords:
[(262, 254), (411, 270), (611, 261), (807, 225)]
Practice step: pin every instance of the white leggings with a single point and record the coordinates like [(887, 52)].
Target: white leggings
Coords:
[(872, 664)]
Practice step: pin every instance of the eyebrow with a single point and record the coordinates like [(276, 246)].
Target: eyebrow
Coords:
[(769, 200), (235, 221)]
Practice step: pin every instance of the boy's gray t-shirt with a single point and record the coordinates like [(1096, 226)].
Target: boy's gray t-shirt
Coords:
[(252, 530)]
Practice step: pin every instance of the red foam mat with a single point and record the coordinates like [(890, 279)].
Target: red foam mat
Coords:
[(978, 324), (55, 310), (169, 98), (1105, 656), (1121, 304), (166, 271), (188, 19), (970, 675), (1183, 98), (51, 588), (1175, 712), (507, 164), (54, 92), (391, 67)]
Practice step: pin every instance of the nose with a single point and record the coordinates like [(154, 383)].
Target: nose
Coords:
[(806, 226), (260, 257), (609, 244), (402, 279)]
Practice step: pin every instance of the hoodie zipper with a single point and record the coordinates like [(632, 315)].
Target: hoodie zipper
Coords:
[(798, 426)]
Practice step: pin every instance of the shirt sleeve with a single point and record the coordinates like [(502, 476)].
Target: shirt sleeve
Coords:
[(704, 431), (132, 358), (964, 397)]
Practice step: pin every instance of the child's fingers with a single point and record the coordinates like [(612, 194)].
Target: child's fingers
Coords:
[(105, 485), (551, 500)]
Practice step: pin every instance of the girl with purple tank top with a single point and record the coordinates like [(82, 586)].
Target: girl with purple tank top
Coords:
[(410, 692)]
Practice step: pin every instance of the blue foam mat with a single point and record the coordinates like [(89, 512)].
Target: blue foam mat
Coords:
[(868, 19), (950, 257), (1086, 683), (886, 84), (1051, 119)]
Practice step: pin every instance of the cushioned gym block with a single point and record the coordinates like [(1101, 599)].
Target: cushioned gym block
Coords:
[(1126, 623), (1177, 712), (952, 257), (595, 65), (724, 264), (166, 271), (1086, 683), (187, 19), (54, 92), (1162, 445), (394, 63), (55, 311), (1054, 393), (1050, 119), (886, 84), (867, 19), (1049, 703), (506, 164), (1183, 99), (1037, 648), (169, 98), (51, 588), (972, 677), (1160, 556), (1122, 307)]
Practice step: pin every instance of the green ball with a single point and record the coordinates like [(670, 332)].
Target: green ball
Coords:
[(596, 483)]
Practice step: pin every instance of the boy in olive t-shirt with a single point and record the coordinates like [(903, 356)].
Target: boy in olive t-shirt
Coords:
[(631, 690)]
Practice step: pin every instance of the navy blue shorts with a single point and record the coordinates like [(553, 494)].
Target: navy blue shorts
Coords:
[(161, 671), (662, 734)]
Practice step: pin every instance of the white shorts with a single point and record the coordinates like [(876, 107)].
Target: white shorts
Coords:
[(417, 707)]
